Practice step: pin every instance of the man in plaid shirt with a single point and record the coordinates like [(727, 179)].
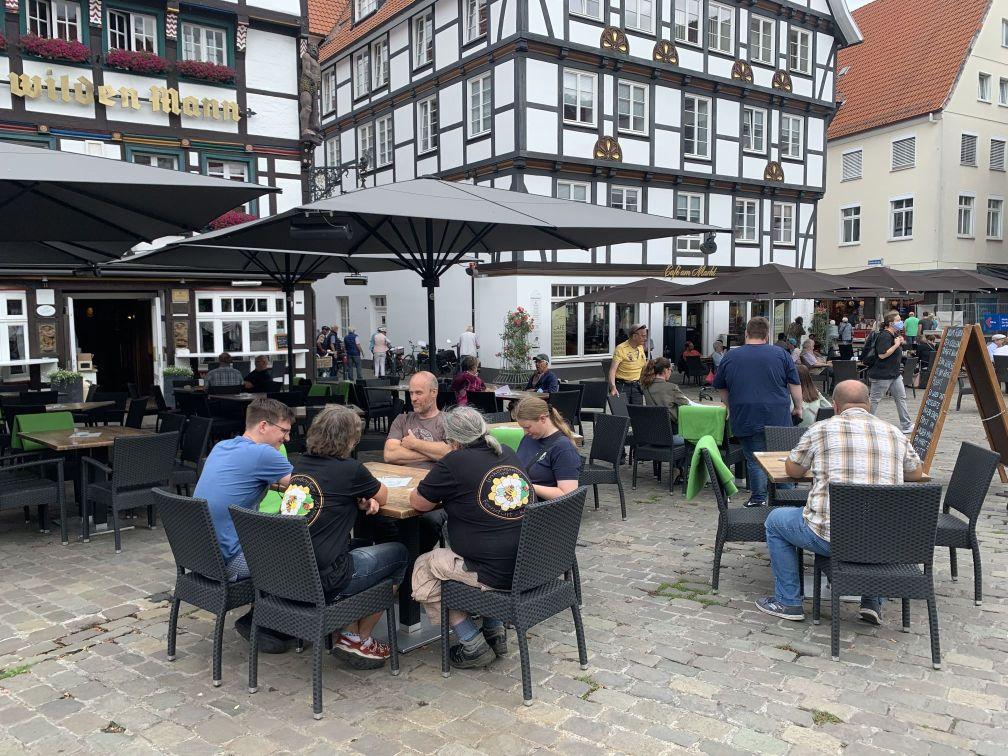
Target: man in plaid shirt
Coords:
[(854, 446), (223, 374)]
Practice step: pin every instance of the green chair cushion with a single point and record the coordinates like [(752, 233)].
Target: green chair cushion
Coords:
[(272, 500), (508, 436), (699, 420), (35, 423), (319, 389)]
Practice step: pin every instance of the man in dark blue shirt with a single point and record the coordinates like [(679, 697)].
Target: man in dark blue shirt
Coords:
[(760, 385)]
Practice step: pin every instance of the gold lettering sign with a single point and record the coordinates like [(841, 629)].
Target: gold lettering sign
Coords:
[(701, 271), (84, 92)]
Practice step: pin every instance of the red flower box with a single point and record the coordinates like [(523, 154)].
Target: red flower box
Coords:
[(54, 49), (230, 218), (194, 69), (139, 62)]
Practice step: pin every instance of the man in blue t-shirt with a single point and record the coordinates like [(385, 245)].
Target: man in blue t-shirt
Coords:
[(238, 470), (760, 385)]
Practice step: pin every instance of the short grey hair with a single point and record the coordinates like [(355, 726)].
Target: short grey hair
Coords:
[(807, 343), (465, 426)]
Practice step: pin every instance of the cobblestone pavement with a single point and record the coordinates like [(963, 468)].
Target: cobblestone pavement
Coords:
[(672, 667)]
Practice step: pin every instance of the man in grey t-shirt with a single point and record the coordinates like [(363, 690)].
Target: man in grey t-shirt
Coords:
[(416, 439)]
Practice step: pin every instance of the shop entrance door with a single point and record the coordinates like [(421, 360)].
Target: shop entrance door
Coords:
[(118, 332)]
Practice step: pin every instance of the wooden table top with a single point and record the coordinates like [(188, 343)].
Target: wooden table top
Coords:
[(773, 464), (77, 406), (578, 438), (398, 506), (62, 440)]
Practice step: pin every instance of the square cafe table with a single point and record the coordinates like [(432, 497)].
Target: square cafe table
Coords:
[(772, 463)]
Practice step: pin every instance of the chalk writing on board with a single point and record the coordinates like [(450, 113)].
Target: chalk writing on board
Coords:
[(938, 385)]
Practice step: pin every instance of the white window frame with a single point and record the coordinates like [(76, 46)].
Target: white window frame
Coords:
[(379, 63), (629, 198), (360, 63), (608, 315), (423, 38), (860, 174), (854, 218), (147, 21), (904, 212), (476, 19), (998, 234), (892, 153), (230, 170), (331, 150), (366, 143), (1003, 92), (364, 8), (966, 216), (480, 88), (384, 141), (797, 63), (757, 52), (976, 149), (749, 113), (1004, 148), (706, 154), (7, 322), (427, 125), (642, 10), (274, 317), (583, 8), (200, 49), (1004, 32), (789, 142), (567, 190), (689, 17), (580, 77), (716, 20), (750, 234), (693, 212), (328, 90), (153, 158), (44, 19), (633, 88), (984, 86), (789, 239)]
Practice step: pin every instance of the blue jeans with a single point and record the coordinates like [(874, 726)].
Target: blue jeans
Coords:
[(757, 477), (786, 532), (237, 568), (372, 564)]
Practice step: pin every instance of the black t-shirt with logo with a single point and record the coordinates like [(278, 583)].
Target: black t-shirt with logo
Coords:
[(891, 366), (485, 496), (336, 485)]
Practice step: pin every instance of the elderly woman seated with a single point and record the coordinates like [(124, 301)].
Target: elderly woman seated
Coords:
[(484, 492)]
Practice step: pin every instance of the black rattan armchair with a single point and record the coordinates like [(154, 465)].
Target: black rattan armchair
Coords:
[(497, 417), (609, 436), (784, 438), (24, 481), (186, 471), (653, 440), (880, 537), (202, 577), (540, 588), (593, 401), (288, 592), (695, 369), (970, 481)]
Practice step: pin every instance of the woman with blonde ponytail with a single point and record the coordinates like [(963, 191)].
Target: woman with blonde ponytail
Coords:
[(547, 451)]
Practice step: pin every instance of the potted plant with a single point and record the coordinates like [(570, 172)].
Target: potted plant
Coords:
[(516, 350), (69, 384), (171, 374), (54, 49), (139, 61), (212, 72)]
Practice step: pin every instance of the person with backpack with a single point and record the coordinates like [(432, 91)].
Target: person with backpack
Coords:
[(883, 356)]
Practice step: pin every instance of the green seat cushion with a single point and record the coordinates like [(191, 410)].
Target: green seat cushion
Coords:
[(508, 436), (35, 423), (272, 500), (699, 420), (319, 389)]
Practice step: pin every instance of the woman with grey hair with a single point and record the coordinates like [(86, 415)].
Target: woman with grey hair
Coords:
[(484, 492)]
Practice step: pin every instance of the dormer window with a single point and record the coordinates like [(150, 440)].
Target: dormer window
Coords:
[(364, 8)]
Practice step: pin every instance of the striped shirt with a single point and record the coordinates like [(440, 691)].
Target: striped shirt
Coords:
[(852, 447), (223, 376)]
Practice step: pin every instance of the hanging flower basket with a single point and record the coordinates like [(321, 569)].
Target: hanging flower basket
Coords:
[(54, 49), (141, 62), (194, 69), (230, 218)]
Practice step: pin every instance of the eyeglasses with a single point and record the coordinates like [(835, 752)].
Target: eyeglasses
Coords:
[(286, 431)]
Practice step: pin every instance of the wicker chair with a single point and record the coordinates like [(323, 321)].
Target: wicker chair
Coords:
[(965, 389), (824, 413), (567, 403), (909, 368), (695, 369), (193, 452), (484, 401), (784, 439), (202, 578), (653, 440), (593, 401), (138, 466), (172, 422), (288, 592), (970, 481), (879, 538), (381, 404), (607, 448), (23, 478), (136, 412), (549, 535), (844, 370), (497, 417)]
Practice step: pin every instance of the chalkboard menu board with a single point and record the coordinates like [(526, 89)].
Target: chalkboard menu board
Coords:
[(944, 374)]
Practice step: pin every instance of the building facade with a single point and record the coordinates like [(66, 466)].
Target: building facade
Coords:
[(708, 111), (211, 88)]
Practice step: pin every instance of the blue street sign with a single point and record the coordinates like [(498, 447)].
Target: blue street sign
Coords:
[(995, 322)]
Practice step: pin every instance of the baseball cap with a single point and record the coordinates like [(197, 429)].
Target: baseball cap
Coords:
[(541, 357), (997, 336)]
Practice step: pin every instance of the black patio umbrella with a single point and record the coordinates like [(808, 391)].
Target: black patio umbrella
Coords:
[(955, 279), (63, 196), (53, 256), (644, 291), (897, 280), (776, 281), (430, 225)]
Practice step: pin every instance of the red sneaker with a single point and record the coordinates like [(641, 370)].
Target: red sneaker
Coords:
[(374, 649), (355, 655)]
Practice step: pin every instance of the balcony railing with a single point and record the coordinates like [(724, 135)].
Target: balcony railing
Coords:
[(329, 181)]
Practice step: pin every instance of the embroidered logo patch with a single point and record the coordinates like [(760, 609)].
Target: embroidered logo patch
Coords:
[(504, 492), (302, 497)]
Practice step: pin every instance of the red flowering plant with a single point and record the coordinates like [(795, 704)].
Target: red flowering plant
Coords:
[(194, 69), (54, 49), (515, 347), (3, 42), (230, 218), (141, 61)]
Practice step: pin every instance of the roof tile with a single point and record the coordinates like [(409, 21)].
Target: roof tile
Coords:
[(323, 15), (344, 34)]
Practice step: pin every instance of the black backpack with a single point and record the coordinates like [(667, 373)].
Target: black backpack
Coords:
[(869, 354)]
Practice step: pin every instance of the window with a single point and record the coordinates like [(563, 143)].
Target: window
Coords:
[(746, 220), (156, 160), (753, 129), (997, 155), (480, 105), (385, 140), (205, 44), (427, 124), (328, 90), (360, 73), (639, 15), (901, 213), (721, 28), (13, 332), (967, 149), (984, 87), (1004, 32), (904, 153), (1002, 91), (132, 31), (761, 40), (850, 225), (343, 303), (964, 216), (423, 39), (233, 170), (332, 151), (238, 324), (475, 19), (791, 136), (363, 8), (687, 21), (782, 223), (995, 216), (572, 190), (586, 329), (579, 97), (632, 107), (379, 63), (625, 198), (366, 143), (689, 207), (589, 8), (696, 126), (851, 163), (59, 19), (799, 51)]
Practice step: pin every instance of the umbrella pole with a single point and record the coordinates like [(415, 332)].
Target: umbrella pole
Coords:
[(430, 283), (289, 292)]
